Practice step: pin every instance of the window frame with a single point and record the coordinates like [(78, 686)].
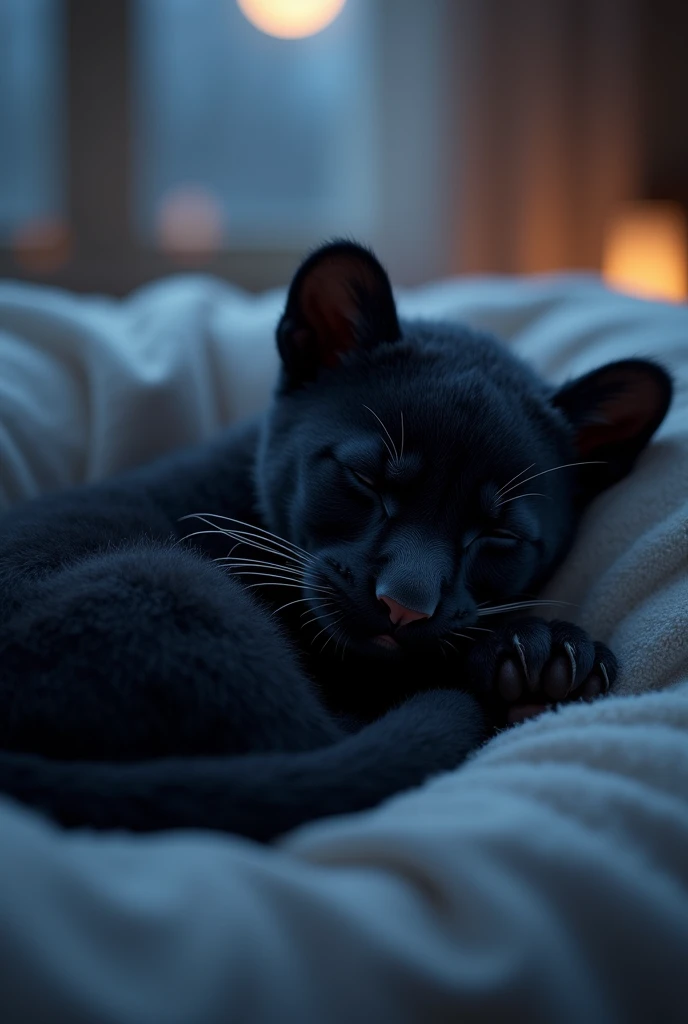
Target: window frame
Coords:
[(106, 255), (415, 239)]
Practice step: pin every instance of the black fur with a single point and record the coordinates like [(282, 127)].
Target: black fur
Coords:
[(142, 686)]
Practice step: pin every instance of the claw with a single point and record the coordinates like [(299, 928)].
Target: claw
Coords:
[(569, 648), (521, 656), (603, 670)]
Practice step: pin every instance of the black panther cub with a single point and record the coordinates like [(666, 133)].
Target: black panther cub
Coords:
[(335, 622)]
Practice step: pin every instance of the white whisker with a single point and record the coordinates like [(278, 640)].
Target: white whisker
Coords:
[(401, 451), (258, 542), (530, 494), (319, 617), (514, 606), (196, 533), (341, 633), (566, 465), (269, 575), (241, 539), (261, 546), (249, 526), (297, 586), (265, 544), (256, 534), (328, 625), (330, 637), (243, 568), (233, 570), (394, 454), (246, 568), (323, 604), (463, 635), (501, 489), (237, 562)]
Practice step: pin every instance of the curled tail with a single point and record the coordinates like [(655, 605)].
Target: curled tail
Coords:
[(257, 795)]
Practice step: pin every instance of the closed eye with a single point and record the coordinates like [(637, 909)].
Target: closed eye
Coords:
[(363, 479), (491, 533), (370, 485), (500, 534)]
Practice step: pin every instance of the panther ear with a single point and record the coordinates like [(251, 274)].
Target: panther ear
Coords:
[(614, 411), (339, 300)]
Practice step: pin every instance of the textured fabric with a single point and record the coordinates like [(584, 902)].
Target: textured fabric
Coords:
[(547, 880)]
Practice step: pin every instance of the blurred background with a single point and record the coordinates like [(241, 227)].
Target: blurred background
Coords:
[(144, 137)]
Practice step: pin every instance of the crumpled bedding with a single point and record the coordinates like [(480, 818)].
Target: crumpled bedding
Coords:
[(546, 880)]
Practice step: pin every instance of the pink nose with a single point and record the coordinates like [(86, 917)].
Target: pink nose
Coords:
[(399, 615)]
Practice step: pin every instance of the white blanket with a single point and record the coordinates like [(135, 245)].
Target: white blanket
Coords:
[(545, 881)]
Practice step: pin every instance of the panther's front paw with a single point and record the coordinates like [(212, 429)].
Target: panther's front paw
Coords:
[(531, 663)]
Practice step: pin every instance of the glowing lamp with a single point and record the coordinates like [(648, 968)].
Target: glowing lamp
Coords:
[(43, 245), (291, 19), (645, 251), (190, 223)]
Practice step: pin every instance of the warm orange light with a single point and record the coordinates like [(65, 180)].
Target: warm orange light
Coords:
[(43, 245), (291, 19), (645, 251), (190, 223)]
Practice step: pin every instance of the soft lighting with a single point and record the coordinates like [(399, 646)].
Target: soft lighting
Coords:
[(190, 223), (645, 251), (43, 245), (291, 19)]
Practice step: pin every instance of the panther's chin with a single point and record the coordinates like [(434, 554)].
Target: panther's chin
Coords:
[(386, 640), (381, 646)]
